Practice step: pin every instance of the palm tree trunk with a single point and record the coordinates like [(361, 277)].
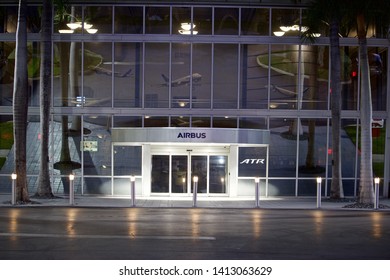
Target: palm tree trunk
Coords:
[(44, 186), (20, 105), (336, 188), (366, 193)]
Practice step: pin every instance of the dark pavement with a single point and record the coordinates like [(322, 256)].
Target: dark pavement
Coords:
[(192, 233)]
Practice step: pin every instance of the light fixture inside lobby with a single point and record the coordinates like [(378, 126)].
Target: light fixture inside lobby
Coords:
[(294, 27), (187, 28), (78, 25)]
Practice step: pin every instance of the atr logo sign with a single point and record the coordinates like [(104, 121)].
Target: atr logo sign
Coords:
[(192, 135), (253, 161)]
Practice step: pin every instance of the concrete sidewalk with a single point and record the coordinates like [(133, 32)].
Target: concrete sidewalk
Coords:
[(187, 202)]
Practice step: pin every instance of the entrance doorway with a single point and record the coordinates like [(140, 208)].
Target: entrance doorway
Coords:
[(172, 173)]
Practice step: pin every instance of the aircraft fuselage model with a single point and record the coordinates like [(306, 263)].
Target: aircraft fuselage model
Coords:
[(196, 77)]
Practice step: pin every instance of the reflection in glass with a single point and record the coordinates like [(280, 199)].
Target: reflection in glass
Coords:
[(218, 174), (201, 64), (226, 21), (157, 20), (128, 20), (225, 122), (203, 20), (127, 121), (128, 75), (282, 151), (160, 174), (127, 160), (253, 123), (179, 174), (157, 80), (283, 19), (181, 80), (97, 83), (254, 21), (254, 77), (312, 148), (180, 121), (100, 17), (225, 76), (199, 168), (156, 121)]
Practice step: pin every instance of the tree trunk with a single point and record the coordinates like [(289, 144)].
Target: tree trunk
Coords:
[(336, 188), (366, 192), (20, 105), (44, 186)]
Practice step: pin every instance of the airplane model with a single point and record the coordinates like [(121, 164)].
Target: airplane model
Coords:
[(101, 70), (196, 77)]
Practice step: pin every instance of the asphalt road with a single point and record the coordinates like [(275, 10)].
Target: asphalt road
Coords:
[(178, 233)]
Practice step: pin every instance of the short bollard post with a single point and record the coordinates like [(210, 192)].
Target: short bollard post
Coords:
[(257, 192), (376, 201), (195, 191), (132, 190), (71, 189), (13, 191), (319, 179)]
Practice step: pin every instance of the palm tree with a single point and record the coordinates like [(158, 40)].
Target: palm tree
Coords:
[(20, 105), (365, 13), (331, 12), (44, 186)]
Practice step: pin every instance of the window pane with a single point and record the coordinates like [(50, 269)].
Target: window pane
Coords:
[(254, 21), (97, 85), (312, 148), (127, 121), (225, 76), (282, 18), (286, 87), (283, 147), (181, 15), (226, 21), (7, 64), (157, 20), (254, 77), (203, 20), (181, 79), (100, 17), (157, 75), (201, 65), (128, 20), (128, 75)]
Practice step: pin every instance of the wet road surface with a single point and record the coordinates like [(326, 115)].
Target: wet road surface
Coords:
[(193, 233)]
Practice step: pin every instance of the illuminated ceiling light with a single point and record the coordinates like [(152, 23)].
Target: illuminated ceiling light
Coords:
[(279, 33), (87, 25), (66, 31), (74, 25), (187, 25), (187, 32), (284, 28), (92, 31), (304, 28), (316, 35)]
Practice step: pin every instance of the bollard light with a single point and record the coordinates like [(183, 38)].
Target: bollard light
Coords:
[(195, 191), (132, 190), (13, 191), (257, 192), (71, 189), (319, 180), (376, 201)]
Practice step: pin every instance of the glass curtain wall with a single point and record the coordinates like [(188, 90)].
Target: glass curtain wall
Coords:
[(197, 75)]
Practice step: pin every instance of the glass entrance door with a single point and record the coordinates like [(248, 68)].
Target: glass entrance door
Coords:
[(173, 174)]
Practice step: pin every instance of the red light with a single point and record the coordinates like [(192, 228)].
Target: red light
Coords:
[(330, 151), (354, 74)]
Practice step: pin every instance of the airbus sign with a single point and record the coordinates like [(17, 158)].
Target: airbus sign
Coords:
[(192, 135)]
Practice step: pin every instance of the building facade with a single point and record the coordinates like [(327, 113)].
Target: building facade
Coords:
[(168, 90)]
